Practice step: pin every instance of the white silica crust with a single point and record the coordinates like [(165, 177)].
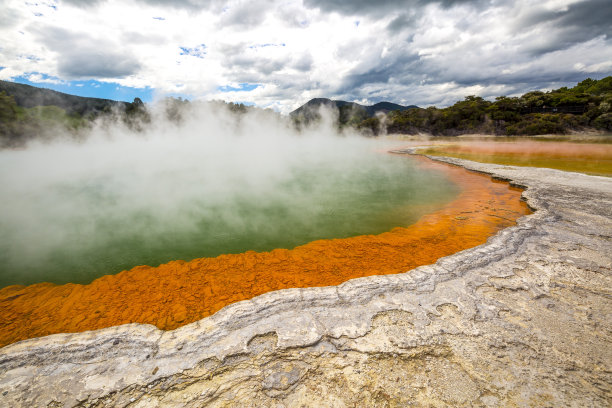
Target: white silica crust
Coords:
[(523, 319)]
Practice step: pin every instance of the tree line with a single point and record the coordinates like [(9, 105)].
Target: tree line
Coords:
[(586, 105), (28, 113)]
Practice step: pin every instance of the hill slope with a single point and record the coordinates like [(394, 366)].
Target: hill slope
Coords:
[(384, 107), (28, 113), (350, 114), (27, 96)]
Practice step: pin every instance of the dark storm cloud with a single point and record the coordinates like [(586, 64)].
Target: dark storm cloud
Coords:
[(516, 64), (80, 55), (90, 64), (592, 15), (381, 7), (579, 23), (416, 51), (399, 68), (405, 70), (342, 6), (480, 71), (303, 63), (595, 15), (246, 15), (401, 22), (518, 79)]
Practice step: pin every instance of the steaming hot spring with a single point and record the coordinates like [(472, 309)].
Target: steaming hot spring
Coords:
[(220, 211)]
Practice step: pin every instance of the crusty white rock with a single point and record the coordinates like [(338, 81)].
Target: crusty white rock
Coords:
[(525, 319)]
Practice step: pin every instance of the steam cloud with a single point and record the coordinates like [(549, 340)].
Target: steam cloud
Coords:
[(215, 183)]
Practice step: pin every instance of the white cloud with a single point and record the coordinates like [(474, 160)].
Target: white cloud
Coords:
[(39, 78), (433, 52)]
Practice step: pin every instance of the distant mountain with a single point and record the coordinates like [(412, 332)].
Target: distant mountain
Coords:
[(350, 114), (314, 104), (27, 96), (388, 107)]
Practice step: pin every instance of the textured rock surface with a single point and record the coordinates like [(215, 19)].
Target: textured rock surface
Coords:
[(525, 319)]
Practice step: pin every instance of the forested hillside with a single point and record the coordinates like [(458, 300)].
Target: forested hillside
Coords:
[(27, 96), (586, 105), (27, 113)]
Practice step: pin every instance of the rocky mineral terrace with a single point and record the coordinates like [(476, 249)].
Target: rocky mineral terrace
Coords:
[(523, 320)]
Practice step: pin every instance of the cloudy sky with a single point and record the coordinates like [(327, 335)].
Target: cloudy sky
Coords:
[(280, 54)]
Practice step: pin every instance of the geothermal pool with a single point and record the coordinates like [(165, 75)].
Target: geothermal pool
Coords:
[(178, 293), (76, 224), (170, 228)]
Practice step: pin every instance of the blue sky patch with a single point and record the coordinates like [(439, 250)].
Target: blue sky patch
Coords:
[(90, 88), (30, 57), (198, 51), (245, 87), (267, 45)]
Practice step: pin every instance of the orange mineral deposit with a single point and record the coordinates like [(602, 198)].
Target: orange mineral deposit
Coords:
[(178, 293)]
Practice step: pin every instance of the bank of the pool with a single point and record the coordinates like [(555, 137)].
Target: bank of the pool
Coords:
[(179, 293), (495, 325)]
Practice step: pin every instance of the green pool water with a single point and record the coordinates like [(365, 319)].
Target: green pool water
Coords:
[(65, 222)]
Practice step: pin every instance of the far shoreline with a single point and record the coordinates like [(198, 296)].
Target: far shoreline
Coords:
[(578, 136)]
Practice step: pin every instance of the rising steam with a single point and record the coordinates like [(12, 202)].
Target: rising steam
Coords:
[(207, 183)]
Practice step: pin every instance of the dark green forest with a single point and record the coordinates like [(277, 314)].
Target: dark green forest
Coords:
[(586, 105)]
